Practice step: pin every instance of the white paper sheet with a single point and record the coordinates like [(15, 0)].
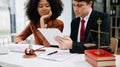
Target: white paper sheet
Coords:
[(50, 34), (22, 47), (61, 55)]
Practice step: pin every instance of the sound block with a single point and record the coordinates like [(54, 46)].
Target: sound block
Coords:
[(29, 56)]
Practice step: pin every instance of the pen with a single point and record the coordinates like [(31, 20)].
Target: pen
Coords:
[(52, 53)]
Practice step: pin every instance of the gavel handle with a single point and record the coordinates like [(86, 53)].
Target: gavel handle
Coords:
[(40, 50)]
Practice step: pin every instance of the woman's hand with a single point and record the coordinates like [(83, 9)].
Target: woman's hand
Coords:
[(19, 41), (44, 18)]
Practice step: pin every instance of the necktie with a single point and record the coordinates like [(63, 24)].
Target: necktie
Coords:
[(82, 30)]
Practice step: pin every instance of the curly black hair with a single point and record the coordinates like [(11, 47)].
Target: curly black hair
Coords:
[(32, 13)]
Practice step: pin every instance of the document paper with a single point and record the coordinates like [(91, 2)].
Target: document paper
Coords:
[(60, 56), (21, 47), (50, 34)]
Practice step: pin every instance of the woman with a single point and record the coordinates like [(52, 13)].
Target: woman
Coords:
[(42, 14)]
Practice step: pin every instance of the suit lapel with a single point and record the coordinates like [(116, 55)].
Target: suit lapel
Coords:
[(75, 28), (89, 24)]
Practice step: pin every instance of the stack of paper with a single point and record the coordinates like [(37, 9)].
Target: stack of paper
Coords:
[(22, 47)]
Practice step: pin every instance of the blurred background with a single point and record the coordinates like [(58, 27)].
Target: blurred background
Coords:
[(13, 19)]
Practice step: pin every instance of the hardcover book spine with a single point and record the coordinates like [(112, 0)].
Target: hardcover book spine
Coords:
[(95, 63), (98, 60), (91, 62)]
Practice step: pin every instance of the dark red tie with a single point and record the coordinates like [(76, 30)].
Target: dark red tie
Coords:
[(82, 30)]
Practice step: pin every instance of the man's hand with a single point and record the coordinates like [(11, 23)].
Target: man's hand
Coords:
[(65, 42)]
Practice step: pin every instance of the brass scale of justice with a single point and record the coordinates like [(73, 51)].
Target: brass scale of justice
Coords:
[(98, 52)]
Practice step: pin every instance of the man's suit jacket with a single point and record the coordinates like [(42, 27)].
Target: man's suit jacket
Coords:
[(78, 47)]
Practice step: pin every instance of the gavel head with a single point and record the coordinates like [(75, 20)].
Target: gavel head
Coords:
[(29, 51)]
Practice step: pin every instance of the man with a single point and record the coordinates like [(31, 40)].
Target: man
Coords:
[(79, 37)]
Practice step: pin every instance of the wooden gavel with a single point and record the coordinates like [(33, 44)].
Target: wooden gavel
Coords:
[(29, 51)]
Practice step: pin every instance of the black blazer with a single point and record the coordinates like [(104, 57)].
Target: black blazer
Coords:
[(78, 47)]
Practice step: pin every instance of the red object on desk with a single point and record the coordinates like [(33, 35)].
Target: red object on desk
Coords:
[(105, 60), (30, 53), (106, 56), (102, 63)]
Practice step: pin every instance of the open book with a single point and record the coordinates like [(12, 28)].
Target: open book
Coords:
[(50, 34)]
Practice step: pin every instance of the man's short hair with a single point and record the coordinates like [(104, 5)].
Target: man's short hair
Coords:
[(83, 0)]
